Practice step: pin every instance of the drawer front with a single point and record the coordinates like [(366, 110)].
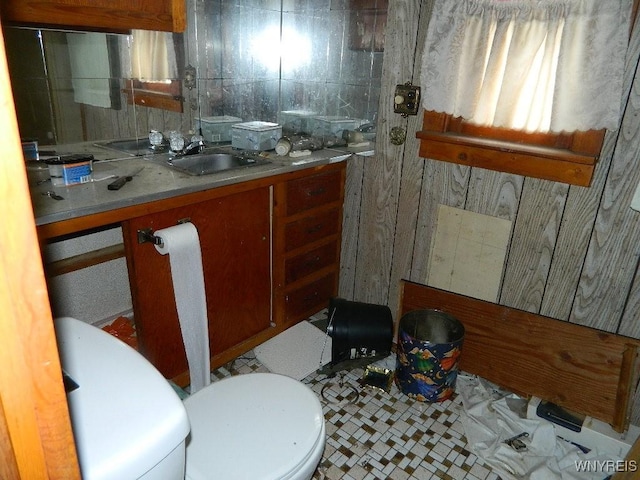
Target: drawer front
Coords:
[(310, 192), (312, 228), (302, 265), (311, 298)]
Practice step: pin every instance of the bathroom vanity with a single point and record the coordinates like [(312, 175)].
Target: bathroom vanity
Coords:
[(270, 240)]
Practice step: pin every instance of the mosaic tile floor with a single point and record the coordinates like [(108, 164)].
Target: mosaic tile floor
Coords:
[(375, 435)]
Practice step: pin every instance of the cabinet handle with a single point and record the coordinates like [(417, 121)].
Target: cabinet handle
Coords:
[(315, 228), (317, 191), (311, 297), (312, 262)]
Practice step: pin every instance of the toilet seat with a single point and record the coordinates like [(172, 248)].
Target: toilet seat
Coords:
[(278, 419)]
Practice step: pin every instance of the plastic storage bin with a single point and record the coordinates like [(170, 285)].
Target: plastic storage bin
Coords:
[(217, 129), (296, 121), (331, 126), (428, 349), (255, 135)]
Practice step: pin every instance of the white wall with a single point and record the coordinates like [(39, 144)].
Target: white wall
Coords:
[(96, 294)]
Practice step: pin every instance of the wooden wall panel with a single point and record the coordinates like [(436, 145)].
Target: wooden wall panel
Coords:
[(532, 244), (494, 193), (574, 251), (411, 180), (443, 184), (381, 185), (612, 255), (350, 224)]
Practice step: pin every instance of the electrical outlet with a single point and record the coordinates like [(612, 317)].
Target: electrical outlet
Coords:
[(407, 99)]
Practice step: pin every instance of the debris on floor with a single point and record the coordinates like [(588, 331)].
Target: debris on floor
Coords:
[(520, 448), (124, 329)]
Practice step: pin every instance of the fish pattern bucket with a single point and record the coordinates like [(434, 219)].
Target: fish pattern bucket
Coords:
[(429, 346)]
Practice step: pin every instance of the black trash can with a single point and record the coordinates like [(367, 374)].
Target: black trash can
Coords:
[(360, 333), (429, 346)]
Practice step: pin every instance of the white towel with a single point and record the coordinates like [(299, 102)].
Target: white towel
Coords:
[(183, 246), (89, 58)]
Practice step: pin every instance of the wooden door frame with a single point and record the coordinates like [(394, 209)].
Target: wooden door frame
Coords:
[(36, 440)]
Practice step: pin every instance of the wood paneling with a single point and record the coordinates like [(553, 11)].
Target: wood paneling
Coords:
[(382, 174), (574, 251)]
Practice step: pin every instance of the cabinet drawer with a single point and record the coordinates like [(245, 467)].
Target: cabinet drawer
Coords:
[(314, 191), (311, 298), (312, 228), (302, 265)]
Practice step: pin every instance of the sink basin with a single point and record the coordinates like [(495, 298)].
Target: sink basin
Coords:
[(206, 163)]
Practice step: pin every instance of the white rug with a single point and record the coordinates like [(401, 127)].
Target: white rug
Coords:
[(295, 352)]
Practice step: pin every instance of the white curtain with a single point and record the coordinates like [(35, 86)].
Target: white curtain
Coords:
[(153, 56), (538, 65)]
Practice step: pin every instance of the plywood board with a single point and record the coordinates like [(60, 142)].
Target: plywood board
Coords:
[(468, 253)]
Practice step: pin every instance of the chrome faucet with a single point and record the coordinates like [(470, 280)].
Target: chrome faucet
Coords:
[(192, 149)]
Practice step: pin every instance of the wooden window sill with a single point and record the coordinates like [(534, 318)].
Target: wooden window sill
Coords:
[(163, 96), (571, 159)]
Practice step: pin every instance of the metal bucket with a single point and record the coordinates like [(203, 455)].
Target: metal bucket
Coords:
[(429, 346)]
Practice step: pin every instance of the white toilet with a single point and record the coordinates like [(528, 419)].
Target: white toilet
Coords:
[(129, 423)]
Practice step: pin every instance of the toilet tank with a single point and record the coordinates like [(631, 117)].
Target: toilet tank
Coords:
[(127, 420)]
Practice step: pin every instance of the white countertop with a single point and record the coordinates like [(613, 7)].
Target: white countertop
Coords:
[(154, 182)]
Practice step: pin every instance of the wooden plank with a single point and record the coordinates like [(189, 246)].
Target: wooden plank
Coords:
[(567, 168), (532, 244), (84, 260), (611, 260), (494, 193), (381, 185), (443, 184), (629, 324), (580, 368), (110, 15), (35, 433), (351, 225), (411, 179)]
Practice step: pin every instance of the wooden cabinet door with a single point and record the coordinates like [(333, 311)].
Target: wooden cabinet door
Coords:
[(104, 15), (234, 233)]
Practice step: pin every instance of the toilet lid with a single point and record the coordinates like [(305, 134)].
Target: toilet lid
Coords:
[(255, 426)]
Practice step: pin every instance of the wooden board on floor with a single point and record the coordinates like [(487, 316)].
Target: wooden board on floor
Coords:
[(583, 369)]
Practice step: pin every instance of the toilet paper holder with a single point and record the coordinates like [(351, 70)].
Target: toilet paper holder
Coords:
[(145, 235)]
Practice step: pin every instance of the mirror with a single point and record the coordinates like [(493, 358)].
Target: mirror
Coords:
[(250, 59)]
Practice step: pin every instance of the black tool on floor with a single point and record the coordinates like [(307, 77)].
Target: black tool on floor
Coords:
[(119, 183), (561, 416)]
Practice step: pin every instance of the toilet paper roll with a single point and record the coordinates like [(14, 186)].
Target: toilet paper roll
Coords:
[(182, 244)]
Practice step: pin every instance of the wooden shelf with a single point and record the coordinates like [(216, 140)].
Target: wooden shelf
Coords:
[(567, 158)]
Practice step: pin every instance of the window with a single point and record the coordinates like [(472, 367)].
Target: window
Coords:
[(523, 87), (154, 70)]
